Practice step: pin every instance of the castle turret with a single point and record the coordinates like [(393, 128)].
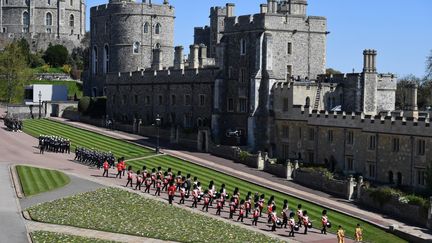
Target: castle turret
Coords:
[(178, 58), (294, 7), (193, 56)]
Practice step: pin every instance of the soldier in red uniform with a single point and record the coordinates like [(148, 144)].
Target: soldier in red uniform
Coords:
[(219, 205), (148, 183), (305, 222), (171, 192), (158, 186), (182, 195), (119, 169), (273, 217), (139, 180), (261, 204), (166, 180), (232, 206), (299, 215), (106, 168), (292, 224), (206, 199), (324, 221), (124, 165), (242, 211), (179, 180), (153, 177), (195, 194), (129, 177), (248, 203), (285, 211), (256, 214)]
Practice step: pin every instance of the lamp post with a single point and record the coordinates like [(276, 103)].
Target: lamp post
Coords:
[(40, 104), (158, 123)]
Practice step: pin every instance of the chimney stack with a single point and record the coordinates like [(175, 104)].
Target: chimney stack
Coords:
[(193, 56), (203, 55), (178, 57), (230, 9), (369, 61), (263, 8)]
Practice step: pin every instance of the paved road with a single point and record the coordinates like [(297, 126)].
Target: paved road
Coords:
[(76, 186), (12, 227)]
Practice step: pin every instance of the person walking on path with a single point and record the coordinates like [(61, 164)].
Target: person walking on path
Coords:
[(119, 169), (324, 222), (299, 215), (285, 211), (358, 233), (106, 168), (341, 235), (242, 211), (306, 222), (256, 214), (195, 196), (158, 186), (139, 180), (129, 177), (171, 192), (273, 217), (292, 225)]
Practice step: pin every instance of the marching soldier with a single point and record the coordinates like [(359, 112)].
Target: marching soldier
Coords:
[(292, 224), (358, 234), (232, 206), (158, 186), (256, 214), (212, 191), (299, 215), (171, 192), (129, 177), (179, 180), (270, 205), (119, 169), (341, 235), (219, 205), (106, 168), (324, 221), (261, 203), (242, 211), (165, 182), (206, 199), (153, 177), (248, 203), (139, 180), (236, 196), (188, 184), (148, 183), (182, 195), (195, 196), (306, 222), (285, 211), (273, 217), (124, 165)]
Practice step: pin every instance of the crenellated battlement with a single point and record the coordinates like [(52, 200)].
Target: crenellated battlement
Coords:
[(133, 8), (245, 21), (205, 75)]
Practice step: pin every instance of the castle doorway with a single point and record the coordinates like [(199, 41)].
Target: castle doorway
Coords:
[(203, 141)]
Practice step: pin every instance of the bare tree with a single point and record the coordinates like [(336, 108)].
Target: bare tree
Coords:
[(429, 66)]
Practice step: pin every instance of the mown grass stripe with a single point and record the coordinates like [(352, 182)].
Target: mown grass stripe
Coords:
[(36, 180)]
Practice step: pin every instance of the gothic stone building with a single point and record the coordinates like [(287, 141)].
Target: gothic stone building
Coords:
[(42, 22), (256, 81)]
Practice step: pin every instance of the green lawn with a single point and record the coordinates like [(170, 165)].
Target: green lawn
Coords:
[(49, 237), (372, 233), (124, 212), (50, 70), (85, 139), (36, 180)]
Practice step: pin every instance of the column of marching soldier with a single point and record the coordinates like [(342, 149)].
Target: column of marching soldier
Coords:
[(184, 188), (13, 124)]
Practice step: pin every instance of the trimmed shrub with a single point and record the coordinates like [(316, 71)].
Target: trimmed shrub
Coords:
[(84, 105), (67, 69)]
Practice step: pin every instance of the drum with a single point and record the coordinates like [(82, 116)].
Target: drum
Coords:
[(296, 227), (309, 225), (328, 225), (278, 222)]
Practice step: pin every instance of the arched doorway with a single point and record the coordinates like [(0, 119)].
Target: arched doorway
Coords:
[(390, 177), (203, 141)]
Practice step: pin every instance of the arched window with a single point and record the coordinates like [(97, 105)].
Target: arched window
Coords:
[(71, 20), (307, 103), (390, 177), (242, 47), (49, 2), (26, 18), (158, 46), (146, 27), (136, 47), (95, 60), (158, 29), (106, 59), (27, 2), (71, 2), (48, 19)]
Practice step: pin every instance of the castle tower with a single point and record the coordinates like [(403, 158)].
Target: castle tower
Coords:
[(293, 7), (370, 79)]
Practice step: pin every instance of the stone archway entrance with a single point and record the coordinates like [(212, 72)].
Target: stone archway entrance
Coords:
[(203, 140)]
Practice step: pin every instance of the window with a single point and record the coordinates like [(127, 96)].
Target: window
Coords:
[(242, 104), (395, 145), (372, 142), (136, 99), (160, 98), (146, 27), (230, 105), (421, 147), (71, 2), (173, 100), (136, 47), (242, 75), (202, 100), (421, 177), (48, 30), (106, 28), (289, 72), (106, 59), (71, 20), (158, 29), (285, 151), (242, 47), (350, 138), (300, 133), (311, 134), (330, 136), (371, 170), (158, 46), (147, 100), (95, 60), (285, 131), (350, 164), (48, 19), (49, 2), (289, 48), (26, 18), (285, 104), (187, 100)]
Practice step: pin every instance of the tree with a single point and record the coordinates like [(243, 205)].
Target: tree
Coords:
[(332, 71), (429, 66), (56, 55), (402, 84), (14, 70)]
